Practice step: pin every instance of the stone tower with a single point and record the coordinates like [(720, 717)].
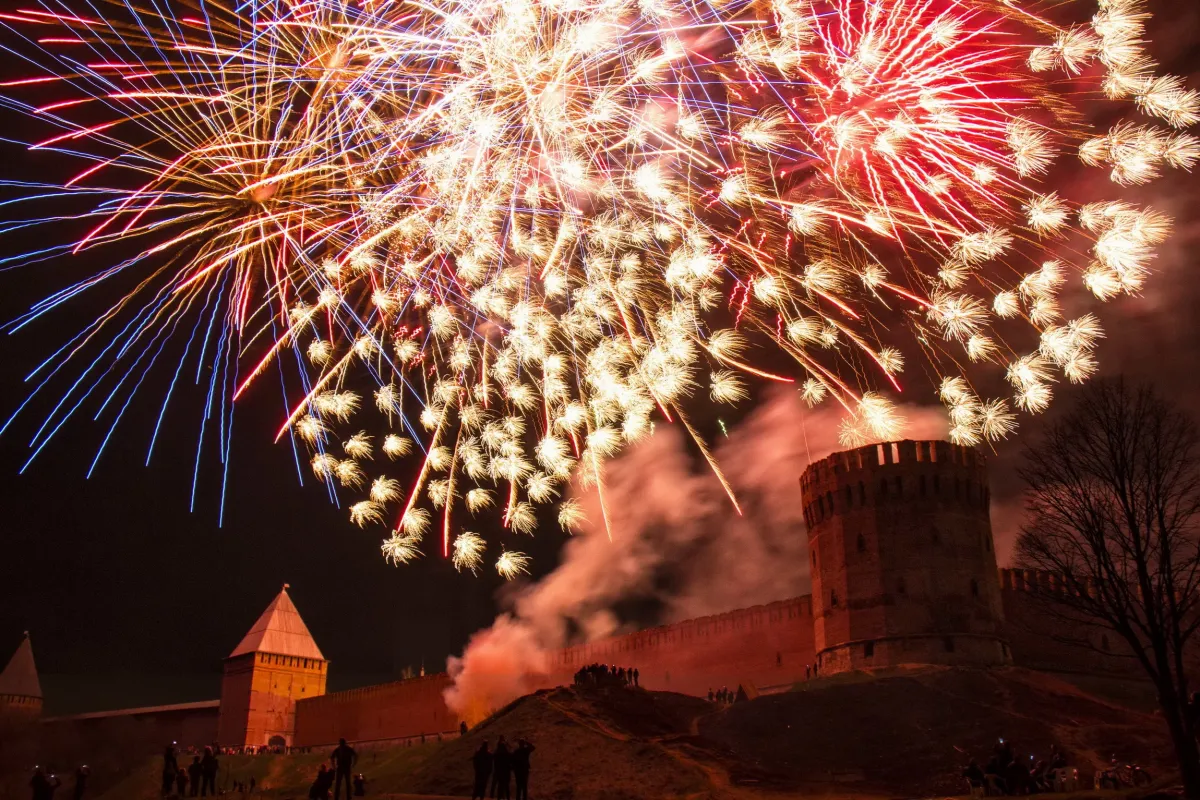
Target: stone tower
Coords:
[(902, 561), (20, 690), (276, 664)]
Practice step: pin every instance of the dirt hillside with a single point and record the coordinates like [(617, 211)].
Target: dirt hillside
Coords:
[(903, 734)]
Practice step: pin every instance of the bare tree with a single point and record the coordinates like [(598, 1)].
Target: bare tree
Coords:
[(1113, 492)]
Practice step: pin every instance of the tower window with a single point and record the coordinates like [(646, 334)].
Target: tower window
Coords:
[(849, 496), (883, 487), (862, 493), (974, 588), (899, 487)]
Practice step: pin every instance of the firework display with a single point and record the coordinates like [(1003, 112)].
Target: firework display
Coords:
[(486, 243)]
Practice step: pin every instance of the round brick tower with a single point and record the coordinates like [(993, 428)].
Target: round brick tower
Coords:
[(900, 550)]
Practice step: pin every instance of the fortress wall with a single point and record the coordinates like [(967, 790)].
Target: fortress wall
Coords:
[(1032, 631), (767, 645), (764, 645), (397, 710)]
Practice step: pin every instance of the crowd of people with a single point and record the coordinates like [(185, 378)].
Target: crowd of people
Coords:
[(722, 697), (607, 675), (197, 779), (501, 766), (44, 784), (1006, 773)]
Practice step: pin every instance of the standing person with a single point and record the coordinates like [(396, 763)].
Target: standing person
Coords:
[(462, 727), (81, 779), (636, 676), (501, 770), (360, 785), (482, 763), (194, 769), (344, 758), (181, 782), (170, 767), (712, 698), (520, 767), (42, 785), (208, 773)]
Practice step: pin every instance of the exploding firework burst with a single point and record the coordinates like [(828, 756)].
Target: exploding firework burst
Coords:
[(525, 229)]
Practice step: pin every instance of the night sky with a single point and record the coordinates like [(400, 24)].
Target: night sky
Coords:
[(132, 600)]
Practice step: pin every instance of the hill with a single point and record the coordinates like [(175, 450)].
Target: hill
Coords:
[(905, 734)]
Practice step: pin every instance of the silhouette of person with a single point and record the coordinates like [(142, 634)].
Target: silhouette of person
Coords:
[(43, 785), (360, 785), (194, 770), (344, 758), (712, 698), (81, 780), (482, 762), (320, 785), (170, 767), (520, 767), (807, 672), (181, 782), (462, 728), (253, 783), (208, 773), (636, 674), (501, 770)]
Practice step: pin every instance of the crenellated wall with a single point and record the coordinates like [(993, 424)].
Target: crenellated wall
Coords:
[(767, 646), (764, 645)]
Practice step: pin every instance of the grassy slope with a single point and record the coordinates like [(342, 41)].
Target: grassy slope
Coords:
[(903, 734)]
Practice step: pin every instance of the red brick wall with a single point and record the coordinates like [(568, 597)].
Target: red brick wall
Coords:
[(396, 710), (763, 645)]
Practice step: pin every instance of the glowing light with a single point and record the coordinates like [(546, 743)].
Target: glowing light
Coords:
[(532, 229)]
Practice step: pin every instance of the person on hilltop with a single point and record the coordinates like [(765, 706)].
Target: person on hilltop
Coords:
[(344, 758), (636, 677), (169, 768), (501, 770), (208, 773), (194, 770), (520, 767), (462, 728), (482, 762)]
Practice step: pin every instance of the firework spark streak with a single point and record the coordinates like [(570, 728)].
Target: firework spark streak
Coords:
[(530, 227)]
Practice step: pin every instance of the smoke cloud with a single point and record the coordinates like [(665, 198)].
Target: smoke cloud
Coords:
[(679, 549)]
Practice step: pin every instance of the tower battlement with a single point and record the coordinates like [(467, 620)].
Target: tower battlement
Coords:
[(901, 555)]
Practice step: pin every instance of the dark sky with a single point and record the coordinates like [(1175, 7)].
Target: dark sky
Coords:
[(133, 600)]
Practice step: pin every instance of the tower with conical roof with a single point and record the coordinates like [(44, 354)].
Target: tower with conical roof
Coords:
[(20, 690), (276, 664)]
